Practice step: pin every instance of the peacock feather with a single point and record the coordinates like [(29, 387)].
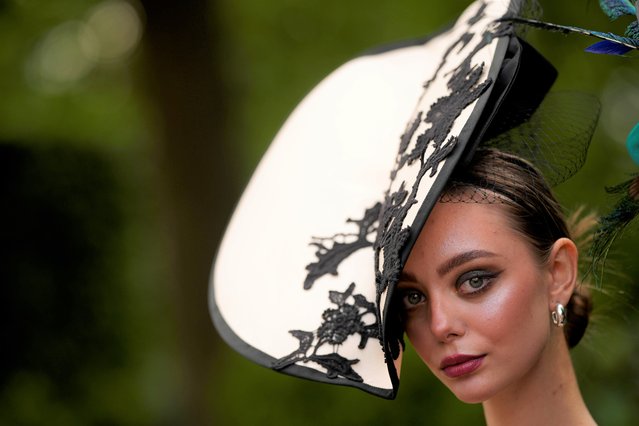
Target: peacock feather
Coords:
[(614, 223), (617, 8), (610, 44)]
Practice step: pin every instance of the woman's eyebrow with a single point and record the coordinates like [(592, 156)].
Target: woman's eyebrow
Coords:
[(462, 258), (407, 276)]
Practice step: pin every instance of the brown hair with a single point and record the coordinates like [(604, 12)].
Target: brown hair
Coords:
[(495, 176)]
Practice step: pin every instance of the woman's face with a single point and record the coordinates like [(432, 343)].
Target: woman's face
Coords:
[(476, 301)]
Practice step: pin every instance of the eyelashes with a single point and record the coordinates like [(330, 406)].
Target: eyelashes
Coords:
[(469, 284), (475, 282), (412, 298)]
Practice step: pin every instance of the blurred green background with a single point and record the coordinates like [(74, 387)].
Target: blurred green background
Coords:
[(127, 131)]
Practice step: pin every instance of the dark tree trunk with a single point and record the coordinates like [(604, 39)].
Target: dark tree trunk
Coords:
[(185, 80)]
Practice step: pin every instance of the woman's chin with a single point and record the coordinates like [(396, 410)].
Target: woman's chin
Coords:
[(470, 398), (470, 393)]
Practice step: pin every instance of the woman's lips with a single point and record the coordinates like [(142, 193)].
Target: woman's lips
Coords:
[(460, 365)]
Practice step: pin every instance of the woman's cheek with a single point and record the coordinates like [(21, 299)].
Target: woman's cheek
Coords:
[(420, 337), (498, 311), (515, 313)]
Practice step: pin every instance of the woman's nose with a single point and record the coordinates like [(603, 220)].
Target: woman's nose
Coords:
[(446, 322)]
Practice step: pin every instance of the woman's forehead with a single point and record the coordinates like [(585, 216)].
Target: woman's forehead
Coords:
[(454, 228)]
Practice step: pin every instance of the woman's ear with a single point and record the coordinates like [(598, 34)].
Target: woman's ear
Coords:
[(563, 268)]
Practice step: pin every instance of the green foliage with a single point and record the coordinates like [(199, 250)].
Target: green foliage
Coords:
[(61, 312), (99, 108)]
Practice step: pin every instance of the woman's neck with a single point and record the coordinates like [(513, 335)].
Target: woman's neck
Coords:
[(548, 394)]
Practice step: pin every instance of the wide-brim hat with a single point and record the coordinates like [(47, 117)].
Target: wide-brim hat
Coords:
[(304, 276)]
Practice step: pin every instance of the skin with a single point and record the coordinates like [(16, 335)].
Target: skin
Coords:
[(473, 285)]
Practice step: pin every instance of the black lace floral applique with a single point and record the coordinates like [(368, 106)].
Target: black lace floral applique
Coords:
[(338, 324), (331, 252), (480, 14), (382, 225), (465, 85)]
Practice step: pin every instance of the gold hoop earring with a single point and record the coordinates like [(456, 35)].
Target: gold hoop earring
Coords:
[(559, 317)]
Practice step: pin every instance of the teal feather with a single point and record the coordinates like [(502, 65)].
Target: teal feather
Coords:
[(617, 8), (632, 144), (626, 41), (633, 30)]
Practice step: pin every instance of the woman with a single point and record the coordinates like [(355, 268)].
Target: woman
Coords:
[(344, 222), (492, 270)]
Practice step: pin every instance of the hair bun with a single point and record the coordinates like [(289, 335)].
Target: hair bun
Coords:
[(578, 310)]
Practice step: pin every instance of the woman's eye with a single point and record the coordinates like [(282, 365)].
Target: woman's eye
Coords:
[(475, 282), (412, 298)]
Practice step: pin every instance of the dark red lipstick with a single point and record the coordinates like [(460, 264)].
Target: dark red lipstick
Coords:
[(459, 365)]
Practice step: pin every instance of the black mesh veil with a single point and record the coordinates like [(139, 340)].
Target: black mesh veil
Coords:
[(553, 137)]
